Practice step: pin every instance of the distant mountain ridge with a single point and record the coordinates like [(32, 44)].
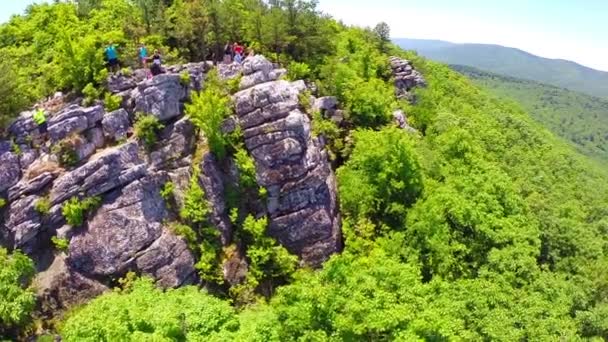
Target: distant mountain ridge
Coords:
[(513, 62), (579, 118)]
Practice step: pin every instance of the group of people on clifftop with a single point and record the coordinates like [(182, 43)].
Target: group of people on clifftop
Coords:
[(233, 52), (113, 63)]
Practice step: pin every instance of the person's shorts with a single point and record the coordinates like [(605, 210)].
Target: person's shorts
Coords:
[(43, 128), (113, 62)]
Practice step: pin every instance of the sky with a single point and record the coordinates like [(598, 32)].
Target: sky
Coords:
[(575, 30)]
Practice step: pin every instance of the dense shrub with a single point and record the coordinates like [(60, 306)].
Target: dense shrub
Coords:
[(74, 210), (112, 102), (146, 129), (17, 300), (208, 110), (61, 244), (144, 312), (43, 206)]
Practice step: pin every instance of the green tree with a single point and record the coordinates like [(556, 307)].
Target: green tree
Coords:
[(17, 300), (144, 312), (383, 31)]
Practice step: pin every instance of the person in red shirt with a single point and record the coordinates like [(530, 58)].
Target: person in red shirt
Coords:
[(238, 49)]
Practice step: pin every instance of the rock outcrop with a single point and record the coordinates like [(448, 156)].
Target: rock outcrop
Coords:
[(406, 78), (130, 229), (290, 163)]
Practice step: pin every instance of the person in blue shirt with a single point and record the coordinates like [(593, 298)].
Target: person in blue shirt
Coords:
[(112, 57), (143, 55)]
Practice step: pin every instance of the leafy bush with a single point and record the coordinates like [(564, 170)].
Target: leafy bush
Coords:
[(143, 312), (61, 244), (14, 95), (112, 102), (208, 110), (66, 150), (74, 210), (382, 178), (233, 85), (146, 129), (43, 206), (246, 166), (267, 260), (298, 71), (167, 191), (91, 94), (305, 100), (17, 300), (370, 104), (196, 209), (330, 131), (184, 78), (127, 72), (186, 232)]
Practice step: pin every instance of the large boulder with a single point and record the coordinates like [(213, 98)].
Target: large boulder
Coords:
[(127, 233), (177, 143), (73, 119), (110, 169), (406, 78), (161, 96), (291, 165), (116, 125), (258, 70)]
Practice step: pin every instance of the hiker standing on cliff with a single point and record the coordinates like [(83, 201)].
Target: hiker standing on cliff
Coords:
[(39, 118), (238, 52), (228, 53), (156, 67), (112, 57), (143, 55)]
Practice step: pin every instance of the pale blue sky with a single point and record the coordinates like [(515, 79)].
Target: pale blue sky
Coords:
[(569, 29)]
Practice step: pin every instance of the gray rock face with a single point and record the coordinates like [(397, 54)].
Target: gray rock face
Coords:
[(325, 103), (178, 143), (126, 233), (257, 70), (116, 124), (32, 186), (292, 166), (112, 168), (60, 287), (160, 96), (211, 180), (23, 222), (197, 72), (401, 121), (10, 169), (24, 127), (73, 119), (229, 71), (406, 78)]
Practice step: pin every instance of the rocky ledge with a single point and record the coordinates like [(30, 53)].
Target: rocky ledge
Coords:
[(290, 163)]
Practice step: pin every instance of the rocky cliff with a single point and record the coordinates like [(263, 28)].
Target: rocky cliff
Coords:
[(128, 230)]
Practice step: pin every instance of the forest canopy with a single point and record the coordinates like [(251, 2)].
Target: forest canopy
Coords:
[(480, 225)]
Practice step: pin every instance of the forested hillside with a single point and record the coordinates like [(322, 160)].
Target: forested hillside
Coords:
[(477, 224), (579, 118), (514, 63)]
